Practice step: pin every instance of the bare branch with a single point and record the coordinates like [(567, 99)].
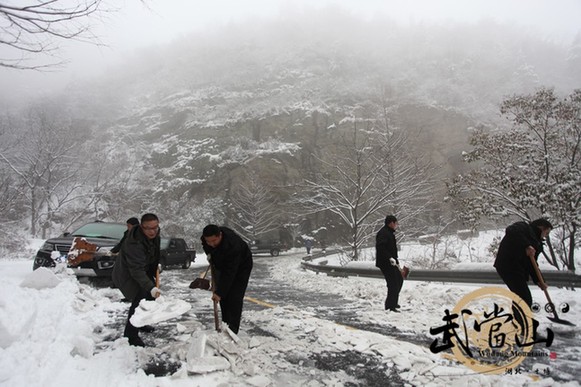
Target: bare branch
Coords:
[(36, 27)]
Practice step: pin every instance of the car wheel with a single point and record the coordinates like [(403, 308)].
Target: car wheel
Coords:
[(274, 252), (187, 263)]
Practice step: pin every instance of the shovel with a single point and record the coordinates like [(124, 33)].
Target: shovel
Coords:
[(544, 287), (216, 319), (405, 271), (201, 282), (81, 251)]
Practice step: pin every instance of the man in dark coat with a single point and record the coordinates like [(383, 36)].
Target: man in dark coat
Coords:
[(521, 242), (135, 269), (386, 260), (231, 260)]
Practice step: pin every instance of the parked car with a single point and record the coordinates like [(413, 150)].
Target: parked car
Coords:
[(103, 234), (175, 251), (273, 247)]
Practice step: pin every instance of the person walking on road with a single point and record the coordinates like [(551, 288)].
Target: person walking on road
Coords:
[(521, 242), (386, 260), (231, 259), (308, 245), (135, 269)]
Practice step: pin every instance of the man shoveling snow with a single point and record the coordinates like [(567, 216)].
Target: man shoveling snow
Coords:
[(231, 263), (135, 269)]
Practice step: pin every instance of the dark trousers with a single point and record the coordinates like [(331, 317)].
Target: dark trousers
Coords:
[(231, 305), (517, 283), (130, 330), (394, 281)]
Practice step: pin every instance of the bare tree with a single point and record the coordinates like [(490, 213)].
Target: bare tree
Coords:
[(255, 208), (29, 28), (10, 197), (295, 230), (47, 161), (33, 158), (189, 215), (111, 178), (369, 174)]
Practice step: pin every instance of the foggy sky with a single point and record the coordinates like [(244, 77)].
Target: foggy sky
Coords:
[(135, 26)]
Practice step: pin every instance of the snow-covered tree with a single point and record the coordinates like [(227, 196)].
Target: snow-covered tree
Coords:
[(365, 176), (42, 157), (295, 231), (255, 208), (187, 217), (61, 177), (531, 170)]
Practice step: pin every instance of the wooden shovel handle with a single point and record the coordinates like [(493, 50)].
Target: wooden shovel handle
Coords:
[(157, 278), (216, 319), (205, 273), (542, 282), (538, 272), (213, 288)]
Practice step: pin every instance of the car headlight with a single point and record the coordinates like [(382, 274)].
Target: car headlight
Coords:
[(104, 250), (47, 246)]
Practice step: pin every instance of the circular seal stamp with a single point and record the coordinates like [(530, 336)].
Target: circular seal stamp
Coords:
[(493, 324)]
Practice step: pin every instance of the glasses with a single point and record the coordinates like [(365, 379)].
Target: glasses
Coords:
[(155, 228)]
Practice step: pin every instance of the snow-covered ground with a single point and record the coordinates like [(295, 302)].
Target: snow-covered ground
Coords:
[(52, 333)]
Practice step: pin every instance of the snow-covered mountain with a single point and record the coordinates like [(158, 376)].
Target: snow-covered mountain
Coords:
[(269, 96)]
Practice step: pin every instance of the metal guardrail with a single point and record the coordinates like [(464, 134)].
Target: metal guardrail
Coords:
[(552, 278)]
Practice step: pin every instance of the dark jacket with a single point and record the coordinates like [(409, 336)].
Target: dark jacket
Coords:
[(232, 261), (512, 257), (117, 247), (385, 247), (136, 264)]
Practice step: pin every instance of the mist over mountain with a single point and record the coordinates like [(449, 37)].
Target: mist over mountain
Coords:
[(267, 96), (469, 67)]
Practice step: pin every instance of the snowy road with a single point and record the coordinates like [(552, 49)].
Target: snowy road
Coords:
[(265, 293), (298, 329), (288, 312)]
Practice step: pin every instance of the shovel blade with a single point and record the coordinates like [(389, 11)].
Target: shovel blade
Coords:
[(200, 283)]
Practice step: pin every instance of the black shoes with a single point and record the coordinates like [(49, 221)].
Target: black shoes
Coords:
[(394, 309), (147, 329), (136, 341)]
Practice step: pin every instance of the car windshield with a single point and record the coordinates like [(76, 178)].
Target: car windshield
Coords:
[(101, 230), (164, 243)]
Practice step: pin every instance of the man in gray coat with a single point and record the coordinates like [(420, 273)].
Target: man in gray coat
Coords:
[(135, 269)]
